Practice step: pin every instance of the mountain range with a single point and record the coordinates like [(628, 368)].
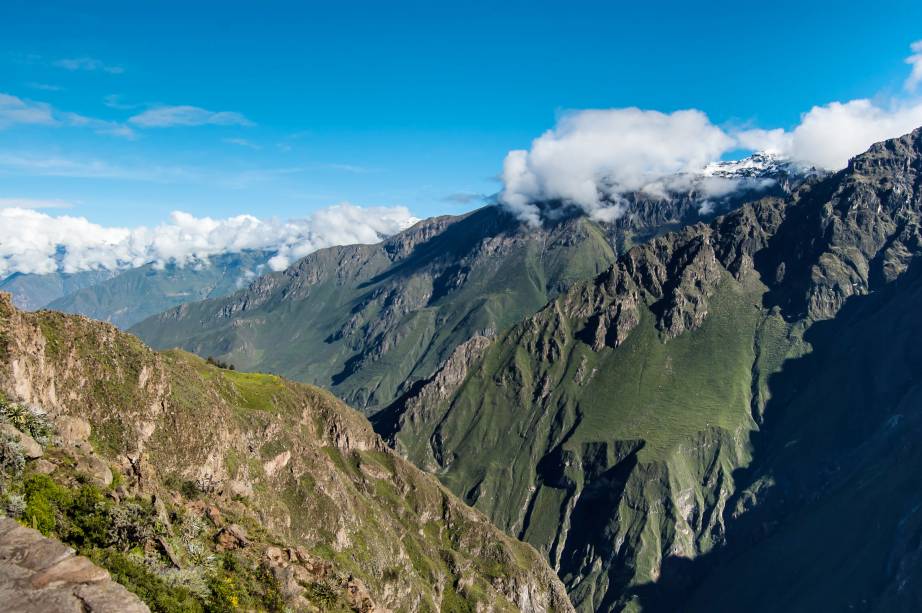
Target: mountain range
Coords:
[(369, 321), (710, 401)]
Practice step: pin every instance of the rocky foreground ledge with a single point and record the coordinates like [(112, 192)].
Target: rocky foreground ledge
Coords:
[(41, 575)]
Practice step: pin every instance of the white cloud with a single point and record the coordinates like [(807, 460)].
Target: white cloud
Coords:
[(15, 110), (90, 168), (593, 155), (242, 142), (87, 64), (184, 115), (44, 86), (827, 136), (100, 126), (914, 60), (32, 241), (18, 111)]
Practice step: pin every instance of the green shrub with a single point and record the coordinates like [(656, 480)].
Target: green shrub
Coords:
[(45, 501), (157, 593)]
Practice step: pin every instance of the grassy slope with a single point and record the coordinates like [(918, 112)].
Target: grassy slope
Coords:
[(294, 334), (341, 494), (839, 527), (666, 400)]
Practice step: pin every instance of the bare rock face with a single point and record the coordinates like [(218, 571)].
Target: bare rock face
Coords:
[(40, 575)]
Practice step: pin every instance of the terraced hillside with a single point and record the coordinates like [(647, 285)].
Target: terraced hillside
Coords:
[(723, 420)]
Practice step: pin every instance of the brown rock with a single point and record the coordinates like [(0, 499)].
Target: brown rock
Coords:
[(275, 556), (215, 516), (231, 537), (29, 549), (109, 597), (31, 449), (43, 466), (96, 469), (69, 570)]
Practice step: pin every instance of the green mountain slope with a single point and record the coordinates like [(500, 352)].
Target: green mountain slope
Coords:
[(628, 430), (370, 322), (201, 488), (135, 294), (365, 320)]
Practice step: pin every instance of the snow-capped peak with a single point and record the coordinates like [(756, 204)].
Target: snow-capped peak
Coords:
[(756, 166)]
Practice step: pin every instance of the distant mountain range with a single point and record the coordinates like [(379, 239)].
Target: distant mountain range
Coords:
[(126, 297)]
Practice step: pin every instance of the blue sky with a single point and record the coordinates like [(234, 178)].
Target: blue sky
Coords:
[(389, 103)]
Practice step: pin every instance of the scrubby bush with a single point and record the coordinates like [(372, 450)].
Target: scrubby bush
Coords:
[(159, 595), (12, 456), (27, 418), (219, 363), (15, 505)]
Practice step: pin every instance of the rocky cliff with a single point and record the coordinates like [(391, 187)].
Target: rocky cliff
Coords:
[(196, 485)]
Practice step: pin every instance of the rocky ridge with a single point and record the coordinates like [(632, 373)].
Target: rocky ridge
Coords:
[(245, 487), (629, 403)]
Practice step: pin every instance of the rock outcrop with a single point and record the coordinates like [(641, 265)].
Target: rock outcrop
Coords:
[(40, 575)]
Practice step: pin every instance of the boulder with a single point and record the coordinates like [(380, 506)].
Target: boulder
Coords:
[(231, 537), (30, 448)]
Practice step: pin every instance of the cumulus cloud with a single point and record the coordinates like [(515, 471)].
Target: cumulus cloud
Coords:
[(88, 64), (915, 61), (827, 136), (592, 158), (35, 242), (594, 154), (185, 115)]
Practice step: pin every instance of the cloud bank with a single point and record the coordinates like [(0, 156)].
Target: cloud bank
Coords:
[(591, 158), (35, 242)]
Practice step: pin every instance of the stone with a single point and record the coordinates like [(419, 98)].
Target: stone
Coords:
[(29, 549), (76, 569), (30, 448), (231, 537), (214, 515), (275, 556), (109, 596), (95, 468), (240, 488), (41, 575), (43, 466)]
